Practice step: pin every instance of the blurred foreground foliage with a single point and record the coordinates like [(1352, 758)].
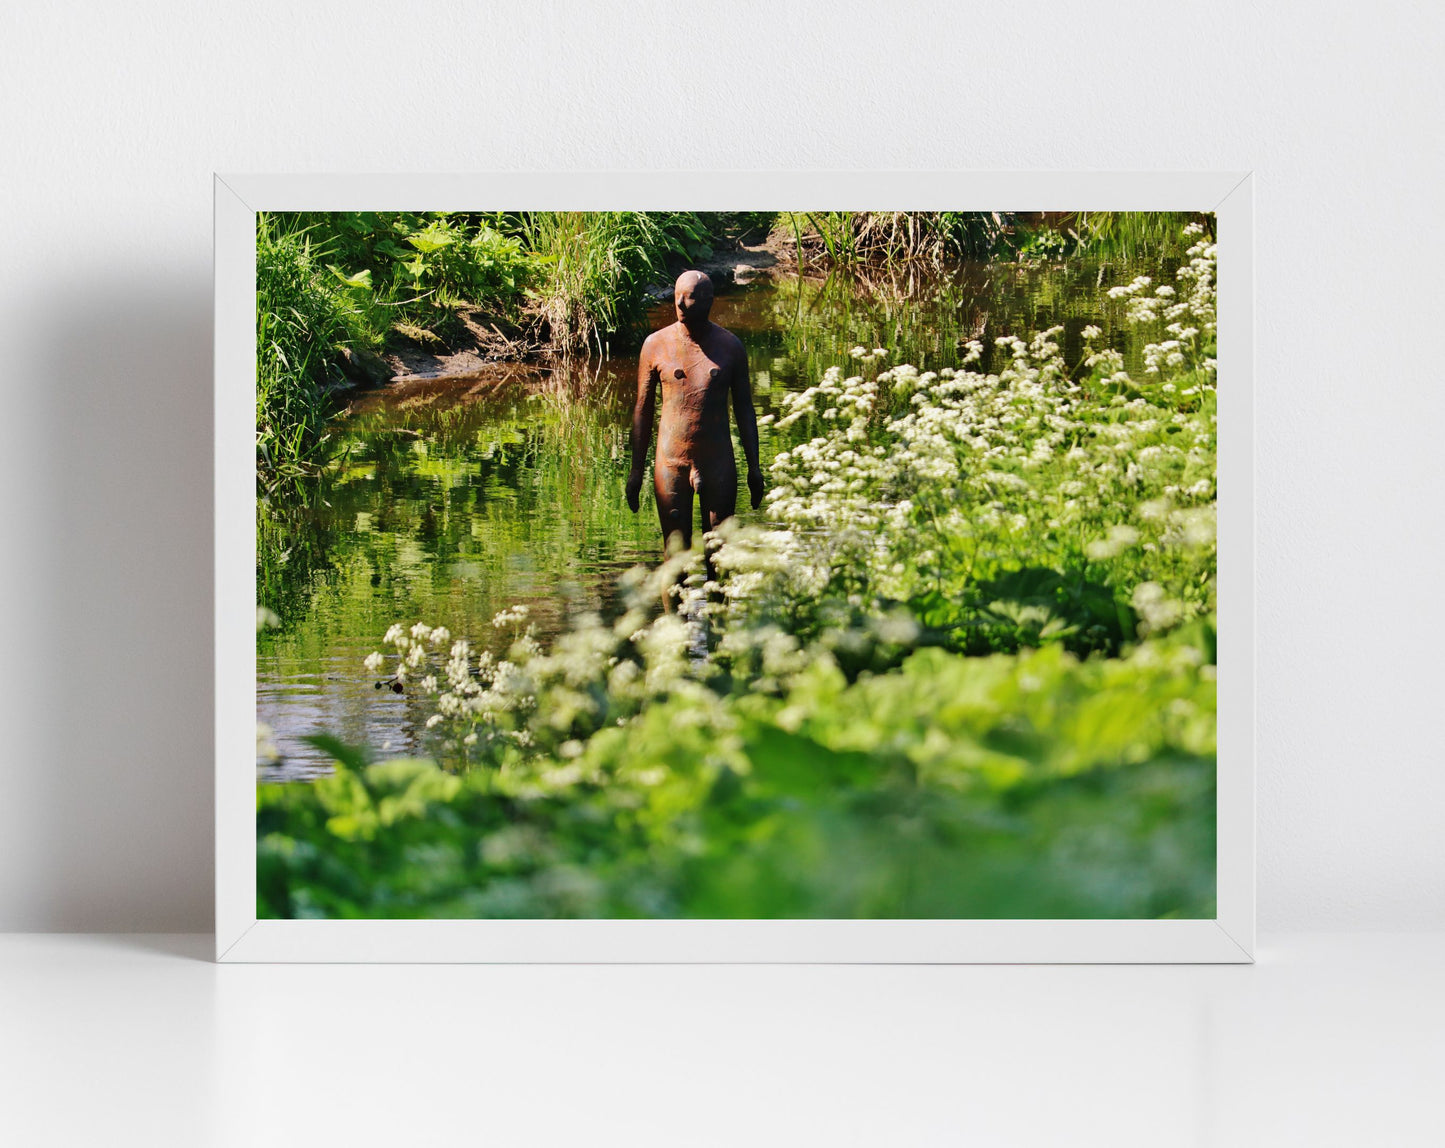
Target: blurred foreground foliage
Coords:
[(1030, 785)]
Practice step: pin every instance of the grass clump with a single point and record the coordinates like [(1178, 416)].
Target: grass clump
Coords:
[(873, 239), (596, 267), (301, 322)]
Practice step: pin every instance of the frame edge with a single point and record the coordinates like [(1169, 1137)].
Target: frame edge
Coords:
[(234, 254), (1236, 798), (240, 937)]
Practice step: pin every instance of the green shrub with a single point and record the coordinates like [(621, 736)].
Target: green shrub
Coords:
[(410, 272)]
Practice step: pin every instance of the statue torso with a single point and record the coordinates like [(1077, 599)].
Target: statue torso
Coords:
[(695, 375)]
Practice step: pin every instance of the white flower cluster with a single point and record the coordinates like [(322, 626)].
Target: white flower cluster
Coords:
[(874, 507), (509, 710), (266, 751), (1189, 319), (864, 355), (513, 616)]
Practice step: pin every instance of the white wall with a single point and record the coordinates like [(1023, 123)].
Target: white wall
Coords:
[(115, 116)]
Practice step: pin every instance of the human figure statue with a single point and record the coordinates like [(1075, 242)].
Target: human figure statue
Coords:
[(698, 365)]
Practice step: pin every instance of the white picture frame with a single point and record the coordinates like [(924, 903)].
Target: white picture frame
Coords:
[(241, 937)]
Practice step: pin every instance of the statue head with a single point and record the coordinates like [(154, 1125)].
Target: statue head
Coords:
[(692, 298)]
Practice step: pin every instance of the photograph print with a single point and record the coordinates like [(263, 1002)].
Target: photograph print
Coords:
[(736, 565)]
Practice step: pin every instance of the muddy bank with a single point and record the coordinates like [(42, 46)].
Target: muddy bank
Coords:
[(441, 391), (735, 268)]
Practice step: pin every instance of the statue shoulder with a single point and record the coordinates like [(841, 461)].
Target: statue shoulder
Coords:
[(733, 344)]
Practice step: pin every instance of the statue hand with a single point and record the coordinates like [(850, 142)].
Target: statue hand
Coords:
[(634, 491), (755, 486)]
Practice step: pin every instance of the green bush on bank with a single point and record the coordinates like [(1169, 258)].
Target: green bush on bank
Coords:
[(596, 268), (410, 272)]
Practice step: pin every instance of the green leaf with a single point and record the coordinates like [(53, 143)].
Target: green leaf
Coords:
[(429, 241), (353, 757), (790, 763), (361, 281)]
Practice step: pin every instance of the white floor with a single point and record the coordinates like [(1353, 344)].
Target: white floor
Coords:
[(1328, 1040)]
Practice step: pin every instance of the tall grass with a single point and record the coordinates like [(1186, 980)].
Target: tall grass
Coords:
[(300, 323), (850, 239), (596, 268)]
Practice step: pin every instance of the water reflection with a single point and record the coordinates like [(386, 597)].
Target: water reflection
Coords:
[(456, 498)]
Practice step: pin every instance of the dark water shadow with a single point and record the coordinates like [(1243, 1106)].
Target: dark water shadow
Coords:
[(125, 790)]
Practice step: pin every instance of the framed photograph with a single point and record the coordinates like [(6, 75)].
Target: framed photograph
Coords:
[(737, 566)]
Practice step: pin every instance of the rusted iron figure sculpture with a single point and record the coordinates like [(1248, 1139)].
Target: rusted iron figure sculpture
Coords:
[(698, 366)]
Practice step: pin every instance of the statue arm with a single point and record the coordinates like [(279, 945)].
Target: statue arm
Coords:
[(642, 414), (747, 420)]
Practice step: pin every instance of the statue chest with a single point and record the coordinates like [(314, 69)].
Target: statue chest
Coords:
[(694, 381)]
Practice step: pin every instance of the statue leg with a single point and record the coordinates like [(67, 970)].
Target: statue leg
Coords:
[(674, 504), (674, 515), (717, 494)]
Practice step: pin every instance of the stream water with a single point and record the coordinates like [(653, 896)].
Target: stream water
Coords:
[(458, 498)]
